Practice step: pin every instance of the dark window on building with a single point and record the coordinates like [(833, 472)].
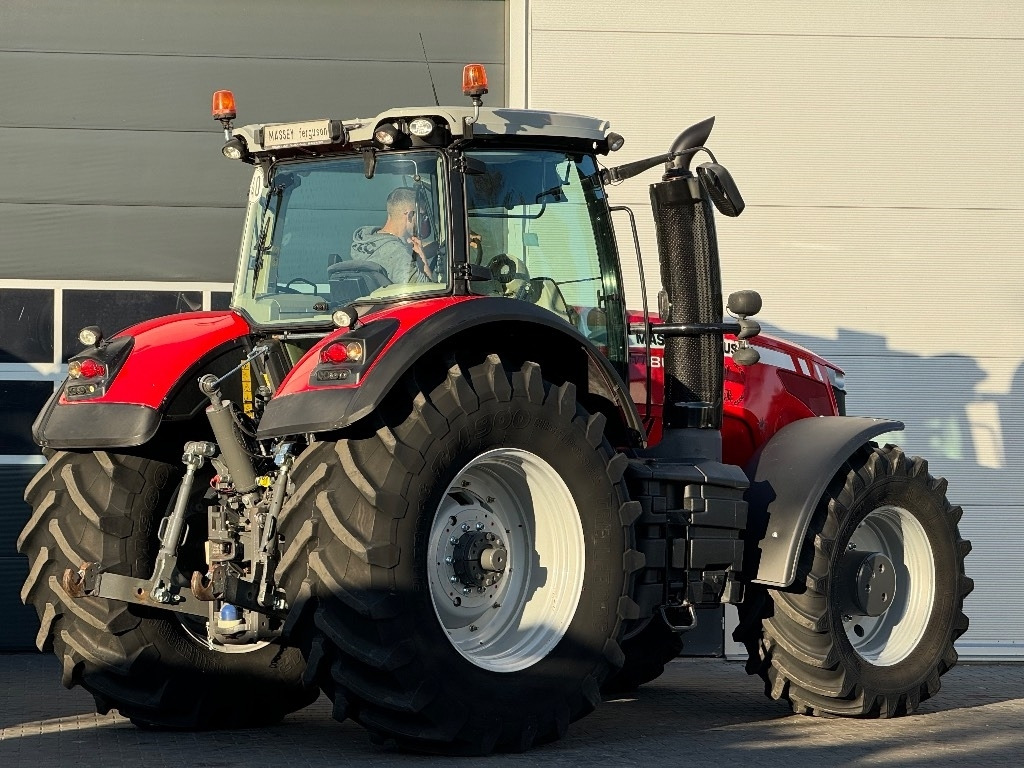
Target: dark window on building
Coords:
[(26, 317), (220, 300), (13, 479), (20, 622), (20, 403)]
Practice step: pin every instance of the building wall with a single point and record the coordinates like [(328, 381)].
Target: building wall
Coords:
[(115, 202), (878, 147)]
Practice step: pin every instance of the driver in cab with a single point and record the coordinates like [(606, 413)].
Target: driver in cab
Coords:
[(395, 245)]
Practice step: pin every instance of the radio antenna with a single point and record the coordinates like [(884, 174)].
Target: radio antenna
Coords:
[(429, 73)]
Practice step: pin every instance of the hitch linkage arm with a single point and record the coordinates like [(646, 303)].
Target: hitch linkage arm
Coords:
[(164, 589)]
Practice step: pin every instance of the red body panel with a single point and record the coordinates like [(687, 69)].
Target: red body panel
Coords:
[(407, 315), (789, 383), (165, 348)]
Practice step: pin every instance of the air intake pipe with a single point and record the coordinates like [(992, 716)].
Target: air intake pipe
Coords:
[(690, 274)]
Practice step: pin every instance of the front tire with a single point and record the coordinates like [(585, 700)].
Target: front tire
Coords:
[(880, 600), (474, 562), (144, 662)]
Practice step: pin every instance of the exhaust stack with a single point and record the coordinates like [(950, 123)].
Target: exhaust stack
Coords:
[(690, 274)]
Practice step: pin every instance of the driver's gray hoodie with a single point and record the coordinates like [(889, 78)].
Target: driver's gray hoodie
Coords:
[(395, 256)]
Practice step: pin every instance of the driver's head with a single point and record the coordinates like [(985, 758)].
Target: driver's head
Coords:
[(402, 208)]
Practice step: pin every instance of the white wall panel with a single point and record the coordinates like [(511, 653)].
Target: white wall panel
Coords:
[(879, 147)]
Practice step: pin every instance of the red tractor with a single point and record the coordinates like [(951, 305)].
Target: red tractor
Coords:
[(426, 471)]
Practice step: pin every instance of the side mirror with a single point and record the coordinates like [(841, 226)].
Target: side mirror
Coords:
[(721, 188)]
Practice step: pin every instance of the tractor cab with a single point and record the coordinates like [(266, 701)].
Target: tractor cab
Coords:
[(421, 203)]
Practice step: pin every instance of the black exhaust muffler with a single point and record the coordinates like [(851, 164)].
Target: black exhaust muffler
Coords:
[(690, 273)]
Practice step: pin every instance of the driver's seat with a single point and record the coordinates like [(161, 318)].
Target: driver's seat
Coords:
[(354, 279)]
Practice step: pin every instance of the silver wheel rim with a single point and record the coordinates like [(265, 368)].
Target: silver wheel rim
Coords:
[(517, 621), (889, 638)]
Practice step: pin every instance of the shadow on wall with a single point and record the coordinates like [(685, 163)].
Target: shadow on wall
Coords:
[(973, 438)]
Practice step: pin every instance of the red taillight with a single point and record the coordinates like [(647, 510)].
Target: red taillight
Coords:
[(91, 369), (86, 369), (333, 353), (342, 351)]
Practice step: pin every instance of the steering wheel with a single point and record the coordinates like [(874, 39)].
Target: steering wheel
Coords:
[(288, 286), (503, 268)]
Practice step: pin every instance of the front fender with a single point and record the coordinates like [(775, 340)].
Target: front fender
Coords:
[(302, 407), (130, 410), (787, 479)]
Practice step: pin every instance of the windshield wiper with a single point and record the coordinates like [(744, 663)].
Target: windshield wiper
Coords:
[(266, 234)]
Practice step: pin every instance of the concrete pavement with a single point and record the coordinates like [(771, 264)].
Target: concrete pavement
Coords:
[(702, 712)]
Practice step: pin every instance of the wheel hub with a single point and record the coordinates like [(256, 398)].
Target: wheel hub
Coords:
[(871, 579), (479, 559), (886, 582), (506, 560)]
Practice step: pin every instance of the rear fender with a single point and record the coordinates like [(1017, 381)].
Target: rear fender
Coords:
[(136, 399), (304, 405), (787, 479)]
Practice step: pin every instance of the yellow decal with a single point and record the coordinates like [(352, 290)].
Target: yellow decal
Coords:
[(247, 403)]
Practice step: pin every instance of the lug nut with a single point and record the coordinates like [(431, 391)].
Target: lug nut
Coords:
[(453, 579), (465, 590), (449, 559), (465, 526), (453, 540), (479, 526)]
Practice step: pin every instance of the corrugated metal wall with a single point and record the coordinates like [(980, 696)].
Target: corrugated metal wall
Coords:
[(879, 148), (115, 202), (111, 160)]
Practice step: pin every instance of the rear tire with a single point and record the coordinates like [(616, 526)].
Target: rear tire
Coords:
[(647, 652), (105, 507), (407, 644), (829, 647)]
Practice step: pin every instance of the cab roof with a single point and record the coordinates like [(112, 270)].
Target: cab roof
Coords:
[(490, 123)]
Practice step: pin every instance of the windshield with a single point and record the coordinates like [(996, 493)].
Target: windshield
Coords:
[(322, 235)]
